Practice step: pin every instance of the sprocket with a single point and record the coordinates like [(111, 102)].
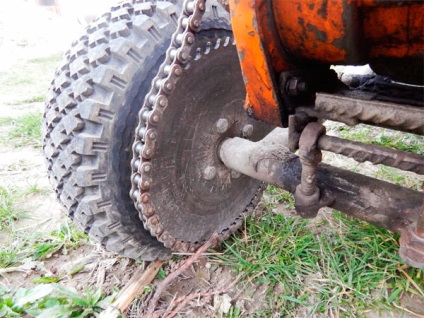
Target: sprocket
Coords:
[(191, 194)]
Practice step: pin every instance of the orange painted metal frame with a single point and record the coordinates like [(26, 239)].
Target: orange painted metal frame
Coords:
[(262, 100), (284, 35)]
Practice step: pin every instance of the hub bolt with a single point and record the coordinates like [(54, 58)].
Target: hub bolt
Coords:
[(222, 125), (209, 173), (247, 130)]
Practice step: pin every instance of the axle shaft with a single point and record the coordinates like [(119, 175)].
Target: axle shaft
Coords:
[(381, 203)]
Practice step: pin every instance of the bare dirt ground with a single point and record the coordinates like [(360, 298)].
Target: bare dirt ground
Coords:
[(26, 33)]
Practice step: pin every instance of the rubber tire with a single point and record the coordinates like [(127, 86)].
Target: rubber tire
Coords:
[(91, 113)]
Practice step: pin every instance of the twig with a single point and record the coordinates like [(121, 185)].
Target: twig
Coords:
[(411, 280), (188, 262), (408, 311), (184, 300), (139, 280), (190, 254)]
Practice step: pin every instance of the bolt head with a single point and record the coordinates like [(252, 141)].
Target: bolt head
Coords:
[(247, 130), (222, 125), (209, 173)]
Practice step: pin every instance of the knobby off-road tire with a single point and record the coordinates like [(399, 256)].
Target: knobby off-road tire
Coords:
[(90, 117)]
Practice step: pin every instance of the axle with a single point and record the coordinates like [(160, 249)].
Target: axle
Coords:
[(375, 201)]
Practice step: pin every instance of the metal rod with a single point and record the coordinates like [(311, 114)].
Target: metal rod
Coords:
[(377, 155), (381, 203), (352, 111)]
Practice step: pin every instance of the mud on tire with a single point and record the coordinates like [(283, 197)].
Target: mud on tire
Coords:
[(90, 116)]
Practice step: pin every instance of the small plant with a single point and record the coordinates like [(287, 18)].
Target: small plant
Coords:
[(27, 129), (34, 188), (8, 213), (62, 239), (52, 300)]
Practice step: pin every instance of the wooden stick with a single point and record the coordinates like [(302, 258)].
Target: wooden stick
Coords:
[(139, 280), (188, 262)]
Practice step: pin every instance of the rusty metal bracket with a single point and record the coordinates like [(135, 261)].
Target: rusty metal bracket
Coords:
[(297, 123), (307, 194), (412, 243)]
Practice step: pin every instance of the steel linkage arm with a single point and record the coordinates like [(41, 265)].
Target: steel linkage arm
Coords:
[(381, 203)]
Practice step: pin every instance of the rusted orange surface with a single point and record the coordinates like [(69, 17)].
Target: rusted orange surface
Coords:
[(262, 101), (394, 31), (312, 28), (285, 35)]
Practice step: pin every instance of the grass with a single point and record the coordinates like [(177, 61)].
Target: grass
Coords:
[(38, 246), (381, 137), (34, 99), (28, 81), (24, 130), (59, 240), (346, 269), (8, 212)]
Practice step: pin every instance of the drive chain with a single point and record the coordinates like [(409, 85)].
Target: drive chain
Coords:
[(150, 115)]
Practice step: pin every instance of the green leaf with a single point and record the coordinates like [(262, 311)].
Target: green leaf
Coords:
[(44, 249), (77, 269), (107, 300), (47, 280), (72, 294), (96, 297), (58, 311), (394, 295), (161, 273), (32, 295)]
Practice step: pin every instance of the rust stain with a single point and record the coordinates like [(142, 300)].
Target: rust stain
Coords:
[(261, 102)]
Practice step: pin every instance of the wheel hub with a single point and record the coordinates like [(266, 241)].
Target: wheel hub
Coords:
[(185, 194)]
